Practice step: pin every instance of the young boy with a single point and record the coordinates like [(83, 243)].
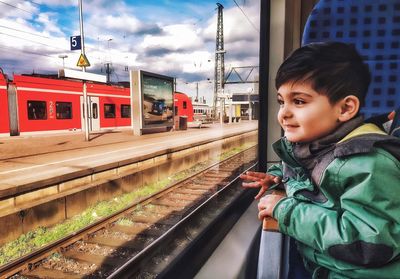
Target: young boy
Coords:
[(341, 176)]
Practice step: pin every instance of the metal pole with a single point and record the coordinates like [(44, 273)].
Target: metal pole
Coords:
[(222, 110), (197, 92), (85, 102), (63, 56), (250, 109)]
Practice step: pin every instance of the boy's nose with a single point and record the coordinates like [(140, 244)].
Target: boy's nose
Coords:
[(285, 112)]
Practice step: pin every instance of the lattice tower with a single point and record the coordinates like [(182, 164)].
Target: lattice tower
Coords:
[(219, 59)]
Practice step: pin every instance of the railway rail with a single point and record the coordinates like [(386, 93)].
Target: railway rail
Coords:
[(146, 239)]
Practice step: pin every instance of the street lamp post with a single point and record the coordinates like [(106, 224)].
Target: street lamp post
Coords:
[(63, 56)]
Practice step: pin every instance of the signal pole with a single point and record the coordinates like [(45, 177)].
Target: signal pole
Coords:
[(85, 102), (219, 64)]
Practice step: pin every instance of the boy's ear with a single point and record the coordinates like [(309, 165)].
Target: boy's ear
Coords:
[(349, 107)]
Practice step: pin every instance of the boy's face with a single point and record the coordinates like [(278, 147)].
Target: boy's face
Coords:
[(304, 114)]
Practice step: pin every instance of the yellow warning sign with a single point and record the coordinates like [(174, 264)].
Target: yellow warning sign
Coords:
[(83, 61)]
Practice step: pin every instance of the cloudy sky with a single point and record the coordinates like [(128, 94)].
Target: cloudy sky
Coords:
[(169, 37)]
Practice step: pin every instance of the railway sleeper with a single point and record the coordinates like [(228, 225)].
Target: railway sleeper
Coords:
[(205, 182), (129, 230), (204, 187), (42, 272), (153, 231), (135, 244), (197, 192), (208, 178), (98, 260), (171, 203), (218, 170), (154, 219), (183, 197), (222, 176), (162, 209), (232, 170)]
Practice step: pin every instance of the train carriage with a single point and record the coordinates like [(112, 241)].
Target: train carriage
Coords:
[(54, 105), (38, 105), (183, 107), (45, 104), (113, 105)]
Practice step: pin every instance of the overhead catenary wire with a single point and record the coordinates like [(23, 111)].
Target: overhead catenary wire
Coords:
[(32, 41), (37, 35), (22, 31), (11, 5), (9, 49), (248, 19)]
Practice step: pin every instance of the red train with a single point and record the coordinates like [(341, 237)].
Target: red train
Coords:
[(31, 104)]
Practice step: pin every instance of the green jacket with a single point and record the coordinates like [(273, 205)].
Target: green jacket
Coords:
[(346, 214)]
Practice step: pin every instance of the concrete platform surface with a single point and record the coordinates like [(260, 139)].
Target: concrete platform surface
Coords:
[(26, 160)]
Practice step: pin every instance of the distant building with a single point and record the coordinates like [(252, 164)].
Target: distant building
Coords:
[(240, 103)]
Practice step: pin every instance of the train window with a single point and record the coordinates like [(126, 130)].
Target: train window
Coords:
[(37, 110), (176, 110), (95, 111), (125, 111), (109, 110), (63, 110), (184, 104)]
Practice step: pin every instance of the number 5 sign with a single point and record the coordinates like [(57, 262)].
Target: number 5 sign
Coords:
[(75, 42)]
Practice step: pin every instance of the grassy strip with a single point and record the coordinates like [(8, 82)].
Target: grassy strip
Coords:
[(33, 240)]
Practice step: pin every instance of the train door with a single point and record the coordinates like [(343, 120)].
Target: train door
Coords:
[(93, 112)]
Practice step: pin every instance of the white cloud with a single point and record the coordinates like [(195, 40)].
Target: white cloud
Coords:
[(174, 37), (153, 38)]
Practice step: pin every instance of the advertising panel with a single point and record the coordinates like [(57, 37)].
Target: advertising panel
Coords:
[(158, 100)]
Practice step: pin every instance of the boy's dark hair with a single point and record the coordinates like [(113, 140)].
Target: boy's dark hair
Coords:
[(334, 69)]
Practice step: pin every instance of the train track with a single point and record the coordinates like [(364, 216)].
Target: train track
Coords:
[(131, 243)]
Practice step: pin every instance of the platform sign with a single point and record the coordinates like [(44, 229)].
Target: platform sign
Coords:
[(83, 61), (82, 75), (75, 42), (153, 101)]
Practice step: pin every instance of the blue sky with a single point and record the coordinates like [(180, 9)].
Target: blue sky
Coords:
[(175, 38)]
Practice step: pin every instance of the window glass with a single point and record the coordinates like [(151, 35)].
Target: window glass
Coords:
[(109, 110), (199, 64), (125, 111), (37, 110), (95, 111), (63, 110)]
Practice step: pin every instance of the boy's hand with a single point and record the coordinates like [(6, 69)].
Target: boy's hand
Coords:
[(259, 179), (391, 115), (267, 204)]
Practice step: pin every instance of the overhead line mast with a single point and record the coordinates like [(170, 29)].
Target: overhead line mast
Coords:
[(219, 62)]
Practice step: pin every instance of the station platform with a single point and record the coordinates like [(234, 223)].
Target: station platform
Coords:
[(31, 162)]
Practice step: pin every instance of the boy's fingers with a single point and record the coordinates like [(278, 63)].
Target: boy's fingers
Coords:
[(247, 177), (260, 193), (391, 115), (257, 174), (251, 184), (277, 179)]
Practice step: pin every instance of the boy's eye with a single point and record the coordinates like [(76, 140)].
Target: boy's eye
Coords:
[(280, 102), (299, 101)]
